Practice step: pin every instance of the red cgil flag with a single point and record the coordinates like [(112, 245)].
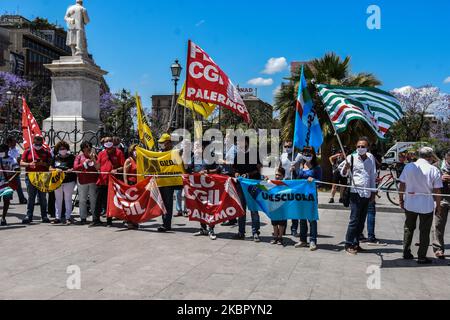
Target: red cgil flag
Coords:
[(212, 199), (137, 204), (30, 127), (206, 82)]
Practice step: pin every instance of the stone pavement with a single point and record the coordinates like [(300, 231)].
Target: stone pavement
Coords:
[(119, 264)]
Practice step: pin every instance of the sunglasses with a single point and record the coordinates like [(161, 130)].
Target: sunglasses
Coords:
[(361, 147)]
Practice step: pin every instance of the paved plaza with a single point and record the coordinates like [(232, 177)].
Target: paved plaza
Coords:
[(119, 264)]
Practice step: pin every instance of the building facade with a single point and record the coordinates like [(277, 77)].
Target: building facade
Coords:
[(31, 46), (260, 111), (4, 45)]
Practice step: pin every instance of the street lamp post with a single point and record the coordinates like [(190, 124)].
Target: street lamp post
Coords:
[(176, 72)]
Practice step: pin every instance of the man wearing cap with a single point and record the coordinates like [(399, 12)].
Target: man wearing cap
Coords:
[(165, 145), (418, 182)]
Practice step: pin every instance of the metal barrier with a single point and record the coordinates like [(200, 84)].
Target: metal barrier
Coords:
[(74, 137)]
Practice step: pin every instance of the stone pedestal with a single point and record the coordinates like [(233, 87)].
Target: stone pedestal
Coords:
[(75, 95)]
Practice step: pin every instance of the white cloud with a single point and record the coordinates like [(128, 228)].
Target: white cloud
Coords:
[(275, 65), (261, 82), (276, 90), (198, 24), (447, 80)]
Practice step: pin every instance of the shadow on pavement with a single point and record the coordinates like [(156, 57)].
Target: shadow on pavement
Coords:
[(401, 263), (12, 227)]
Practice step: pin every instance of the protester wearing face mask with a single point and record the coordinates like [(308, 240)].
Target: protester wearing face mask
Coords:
[(36, 159), (418, 182), (109, 161), (311, 171), (130, 177), (63, 161), (362, 170), (87, 179), (166, 145), (287, 159)]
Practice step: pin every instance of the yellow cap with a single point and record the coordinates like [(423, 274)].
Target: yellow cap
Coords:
[(164, 138)]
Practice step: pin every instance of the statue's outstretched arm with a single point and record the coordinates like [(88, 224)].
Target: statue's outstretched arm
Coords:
[(68, 18)]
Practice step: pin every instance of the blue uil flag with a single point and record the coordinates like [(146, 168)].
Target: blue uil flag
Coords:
[(282, 200)]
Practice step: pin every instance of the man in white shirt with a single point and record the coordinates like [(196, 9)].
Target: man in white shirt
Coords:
[(363, 172), (417, 182)]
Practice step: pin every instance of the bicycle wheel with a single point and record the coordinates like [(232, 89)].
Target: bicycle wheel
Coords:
[(392, 193)]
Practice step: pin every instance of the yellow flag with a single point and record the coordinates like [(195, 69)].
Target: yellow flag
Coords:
[(145, 134), (205, 109), (46, 181), (160, 164)]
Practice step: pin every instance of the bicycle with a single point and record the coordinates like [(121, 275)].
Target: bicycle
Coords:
[(390, 184)]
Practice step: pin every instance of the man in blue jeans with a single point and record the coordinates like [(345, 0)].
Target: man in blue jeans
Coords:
[(248, 165), (372, 239), (361, 168)]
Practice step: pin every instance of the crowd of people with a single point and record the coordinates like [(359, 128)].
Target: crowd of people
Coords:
[(422, 181)]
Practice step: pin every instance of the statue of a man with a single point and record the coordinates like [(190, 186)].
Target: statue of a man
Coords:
[(76, 18)]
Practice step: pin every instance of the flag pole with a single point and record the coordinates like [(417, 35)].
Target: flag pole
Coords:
[(332, 124), (28, 128)]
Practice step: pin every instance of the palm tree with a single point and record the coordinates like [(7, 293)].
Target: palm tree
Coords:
[(330, 69)]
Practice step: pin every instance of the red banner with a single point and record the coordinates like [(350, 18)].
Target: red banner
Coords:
[(30, 127), (211, 199), (206, 82), (137, 204)]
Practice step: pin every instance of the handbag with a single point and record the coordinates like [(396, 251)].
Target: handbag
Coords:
[(347, 191)]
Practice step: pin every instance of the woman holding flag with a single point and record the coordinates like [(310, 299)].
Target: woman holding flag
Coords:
[(130, 177), (311, 171)]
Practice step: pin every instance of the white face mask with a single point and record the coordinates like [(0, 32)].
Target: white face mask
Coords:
[(108, 145), (308, 159), (2, 154), (362, 151), (288, 150), (63, 153)]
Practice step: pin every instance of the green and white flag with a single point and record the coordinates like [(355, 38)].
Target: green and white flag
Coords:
[(378, 108)]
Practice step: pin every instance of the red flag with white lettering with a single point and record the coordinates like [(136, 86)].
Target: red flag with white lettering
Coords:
[(137, 204), (30, 127), (211, 199), (206, 82)]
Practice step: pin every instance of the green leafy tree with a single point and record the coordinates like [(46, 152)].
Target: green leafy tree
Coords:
[(118, 113)]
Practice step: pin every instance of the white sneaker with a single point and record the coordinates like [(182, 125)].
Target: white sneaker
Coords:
[(212, 236), (312, 246)]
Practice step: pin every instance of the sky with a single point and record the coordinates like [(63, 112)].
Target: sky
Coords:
[(254, 41)]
